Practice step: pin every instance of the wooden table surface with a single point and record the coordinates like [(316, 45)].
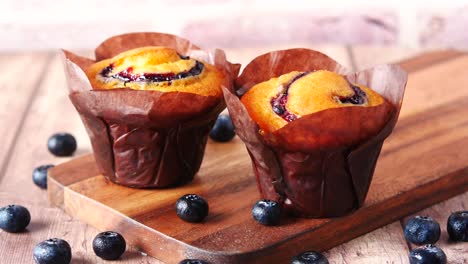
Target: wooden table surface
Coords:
[(34, 105)]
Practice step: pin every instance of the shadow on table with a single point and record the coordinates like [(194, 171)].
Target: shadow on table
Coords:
[(36, 225), (80, 260)]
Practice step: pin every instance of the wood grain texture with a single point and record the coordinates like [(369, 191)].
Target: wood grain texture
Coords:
[(435, 68), (403, 183), (384, 245), (438, 84), (52, 222), (29, 150), (41, 122), (13, 108)]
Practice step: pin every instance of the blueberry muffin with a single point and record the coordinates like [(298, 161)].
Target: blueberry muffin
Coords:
[(314, 132), (148, 106)]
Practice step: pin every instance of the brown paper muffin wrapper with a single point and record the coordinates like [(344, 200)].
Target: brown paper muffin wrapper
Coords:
[(313, 165), (146, 139)]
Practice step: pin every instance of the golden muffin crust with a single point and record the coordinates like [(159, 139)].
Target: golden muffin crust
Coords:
[(156, 68), (274, 103)]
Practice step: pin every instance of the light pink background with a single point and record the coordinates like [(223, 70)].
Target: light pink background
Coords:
[(46, 24)]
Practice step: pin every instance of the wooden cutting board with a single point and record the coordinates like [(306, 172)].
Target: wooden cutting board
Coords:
[(424, 162)]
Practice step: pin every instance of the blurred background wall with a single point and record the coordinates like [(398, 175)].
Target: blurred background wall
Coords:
[(52, 24)]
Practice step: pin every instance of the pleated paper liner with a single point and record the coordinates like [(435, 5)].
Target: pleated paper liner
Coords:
[(320, 165), (146, 138)]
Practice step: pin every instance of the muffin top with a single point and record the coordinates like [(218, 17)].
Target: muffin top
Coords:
[(156, 68), (274, 103)]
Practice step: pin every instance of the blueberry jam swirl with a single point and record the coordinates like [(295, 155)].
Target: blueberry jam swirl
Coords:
[(279, 102), (127, 75), (358, 98)]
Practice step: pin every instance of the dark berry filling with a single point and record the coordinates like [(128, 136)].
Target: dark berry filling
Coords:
[(107, 70), (278, 103), (358, 98), (128, 75)]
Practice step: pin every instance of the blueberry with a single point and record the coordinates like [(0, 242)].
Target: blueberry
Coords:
[(422, 230), (62, 144), (267, 212), (14, 218), (428, 254), (53, 251), (192, 208), (309, 257), (457, 226), (223, 129), (109, 245), (192, 261), (39, 175)]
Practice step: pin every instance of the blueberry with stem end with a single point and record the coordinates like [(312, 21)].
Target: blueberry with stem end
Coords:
[(267, 212), (421, 230), (39, 175), (62, 144), (14, 218), (309, 257), (53, 251), (223, 129), (109, 245), (457, 226), (192, 208), (428, 254)]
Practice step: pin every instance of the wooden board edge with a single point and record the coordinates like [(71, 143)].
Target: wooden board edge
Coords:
[(57, 179), (55, 191), (104, 218), (331, 234)]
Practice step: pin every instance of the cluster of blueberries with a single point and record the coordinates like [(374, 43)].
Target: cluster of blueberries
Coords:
[(193, 208), (15, 218), (107, 245), (424, 231), (419, 230)]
